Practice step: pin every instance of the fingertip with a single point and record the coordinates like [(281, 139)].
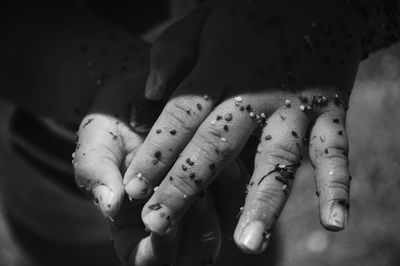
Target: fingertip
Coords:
[(253, 238), (157, 219), (106, 200), (335, 217), (138, 188)]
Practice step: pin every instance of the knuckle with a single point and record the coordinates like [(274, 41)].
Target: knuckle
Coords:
[(272, 201), (157, 156), (210, 143), (336, 153), (179, 113), (339, 185), (184, 187), (282, 154)]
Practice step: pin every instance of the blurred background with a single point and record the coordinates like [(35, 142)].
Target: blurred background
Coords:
[(373, 233)]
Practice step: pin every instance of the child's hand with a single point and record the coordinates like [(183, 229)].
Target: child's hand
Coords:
[(282, 68), (106, 144)]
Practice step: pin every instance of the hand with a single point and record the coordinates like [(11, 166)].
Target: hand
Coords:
[(106, 144), (285, 69)]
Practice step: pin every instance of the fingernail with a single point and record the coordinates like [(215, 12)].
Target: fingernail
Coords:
[(338, 217), (158, 220), (138, 187), (103, 197), (153, 89), (255, 238)]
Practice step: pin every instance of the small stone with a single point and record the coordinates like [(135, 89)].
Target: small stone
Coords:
[(157, 154), (238, 99), (228, 117), (189, 161), (223, 139)]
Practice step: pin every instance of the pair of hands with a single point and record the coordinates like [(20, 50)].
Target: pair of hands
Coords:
[(283, 70)]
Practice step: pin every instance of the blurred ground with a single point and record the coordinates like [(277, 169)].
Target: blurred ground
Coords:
[(373, 233)]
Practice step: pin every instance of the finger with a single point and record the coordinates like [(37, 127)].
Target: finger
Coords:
[(217, 142), (105, 144), (97, 159), (174, 53), (174, 128), (328, 154), (229, 194), (277, 159), (201, 237), (136, 246)]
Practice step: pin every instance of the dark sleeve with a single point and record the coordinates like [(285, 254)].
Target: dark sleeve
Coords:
[(382, 19)]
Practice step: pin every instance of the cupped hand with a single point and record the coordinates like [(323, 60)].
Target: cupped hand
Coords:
[(108, 139), (284, 69)]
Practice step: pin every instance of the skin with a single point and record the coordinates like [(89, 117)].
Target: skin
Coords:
[(277, 60)]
